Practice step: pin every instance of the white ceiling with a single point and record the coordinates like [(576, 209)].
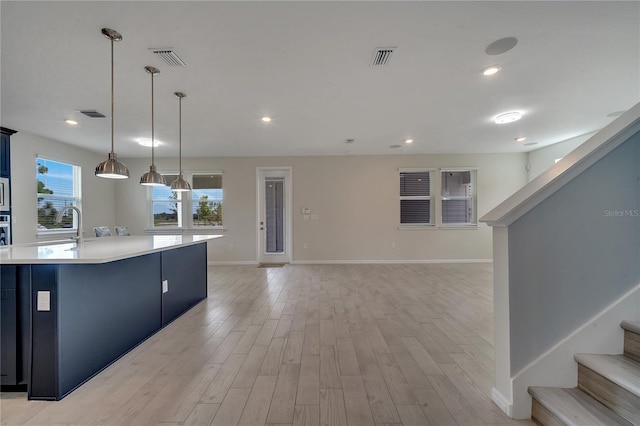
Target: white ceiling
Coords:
[(307, 64)]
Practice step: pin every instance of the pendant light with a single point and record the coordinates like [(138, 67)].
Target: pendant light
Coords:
[(152, 178), (180, 185), (112, 168)]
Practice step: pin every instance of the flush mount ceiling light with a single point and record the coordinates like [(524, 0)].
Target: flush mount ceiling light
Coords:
[(112, 168), (395, 146), (266, 119), (491, 70), (152, 177), (180, 185), (408, 141), (147, 142), (521, 139), (508, 117), (71, 122)]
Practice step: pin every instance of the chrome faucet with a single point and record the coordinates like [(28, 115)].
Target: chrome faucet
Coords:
[(79, 233)]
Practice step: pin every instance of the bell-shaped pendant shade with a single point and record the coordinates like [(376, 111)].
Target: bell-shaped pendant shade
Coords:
[(180, 185), (152, 177), (112, 168)]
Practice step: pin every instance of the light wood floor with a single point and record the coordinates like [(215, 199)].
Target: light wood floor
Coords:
[(322, 344)]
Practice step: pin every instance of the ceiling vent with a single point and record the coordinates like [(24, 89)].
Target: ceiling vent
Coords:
[(382, 56), (169, 57), (92, 113)]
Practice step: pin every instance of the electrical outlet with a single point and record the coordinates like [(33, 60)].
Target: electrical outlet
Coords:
[(305, 245), (44, 301), (393, 245)]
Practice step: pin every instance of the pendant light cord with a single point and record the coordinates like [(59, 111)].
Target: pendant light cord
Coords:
[(180, 139), (153, 140), (112, 96)]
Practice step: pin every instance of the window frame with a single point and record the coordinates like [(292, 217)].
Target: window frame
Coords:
[(76, 199), (430, 197), (186, 211), (179, 209), (473, 197)]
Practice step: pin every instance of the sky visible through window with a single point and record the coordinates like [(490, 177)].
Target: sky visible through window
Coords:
[(58, 177)]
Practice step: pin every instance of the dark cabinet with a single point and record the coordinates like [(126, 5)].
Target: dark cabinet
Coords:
[(5, 152), (9, 326)]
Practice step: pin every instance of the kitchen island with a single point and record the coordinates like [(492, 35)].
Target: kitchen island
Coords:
[(71, 309)]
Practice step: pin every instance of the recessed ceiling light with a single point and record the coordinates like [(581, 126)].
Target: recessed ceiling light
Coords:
[(491, 70), (395, 146), (71, 122), (508, 117), (521, 139), (408, 141), (266, 119), (147, 142)]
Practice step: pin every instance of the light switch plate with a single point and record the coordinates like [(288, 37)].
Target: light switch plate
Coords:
[(165, 286), (306, 210), (44, 301)]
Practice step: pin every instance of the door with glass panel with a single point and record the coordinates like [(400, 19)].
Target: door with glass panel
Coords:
[(274, 215)]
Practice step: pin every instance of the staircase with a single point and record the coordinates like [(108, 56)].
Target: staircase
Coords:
[(608, 391)]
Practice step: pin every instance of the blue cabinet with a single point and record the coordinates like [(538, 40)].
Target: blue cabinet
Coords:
[(5, 151)]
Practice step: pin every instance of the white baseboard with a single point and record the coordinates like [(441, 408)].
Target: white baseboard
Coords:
[(400, 261), (556, 367), (352, 262), (501, 401)]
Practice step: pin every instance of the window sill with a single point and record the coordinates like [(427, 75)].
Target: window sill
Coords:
[(190, 231), (415, 227), (431, 227), (44, 235)]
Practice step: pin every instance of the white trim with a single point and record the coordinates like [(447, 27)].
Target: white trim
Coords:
[(231, 262), (557, 367), (503, 403), (416, 169), (563, 172), (188, 231), (399, 261), (579, 330), (288, 208)]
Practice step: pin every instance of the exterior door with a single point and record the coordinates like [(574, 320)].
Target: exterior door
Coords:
[(274, 215)]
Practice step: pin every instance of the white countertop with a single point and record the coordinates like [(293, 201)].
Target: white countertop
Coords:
[(95, 250)]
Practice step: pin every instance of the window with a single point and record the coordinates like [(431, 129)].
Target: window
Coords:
[(458, 197), (166, 205), (206, 195), (200, 208), (416, 207), (58, 185)]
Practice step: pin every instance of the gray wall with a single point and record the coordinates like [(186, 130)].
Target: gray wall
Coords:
[(573, 255)]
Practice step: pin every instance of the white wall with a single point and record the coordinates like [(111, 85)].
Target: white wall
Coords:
[(543, 158), (355, 197), (98, 195)]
